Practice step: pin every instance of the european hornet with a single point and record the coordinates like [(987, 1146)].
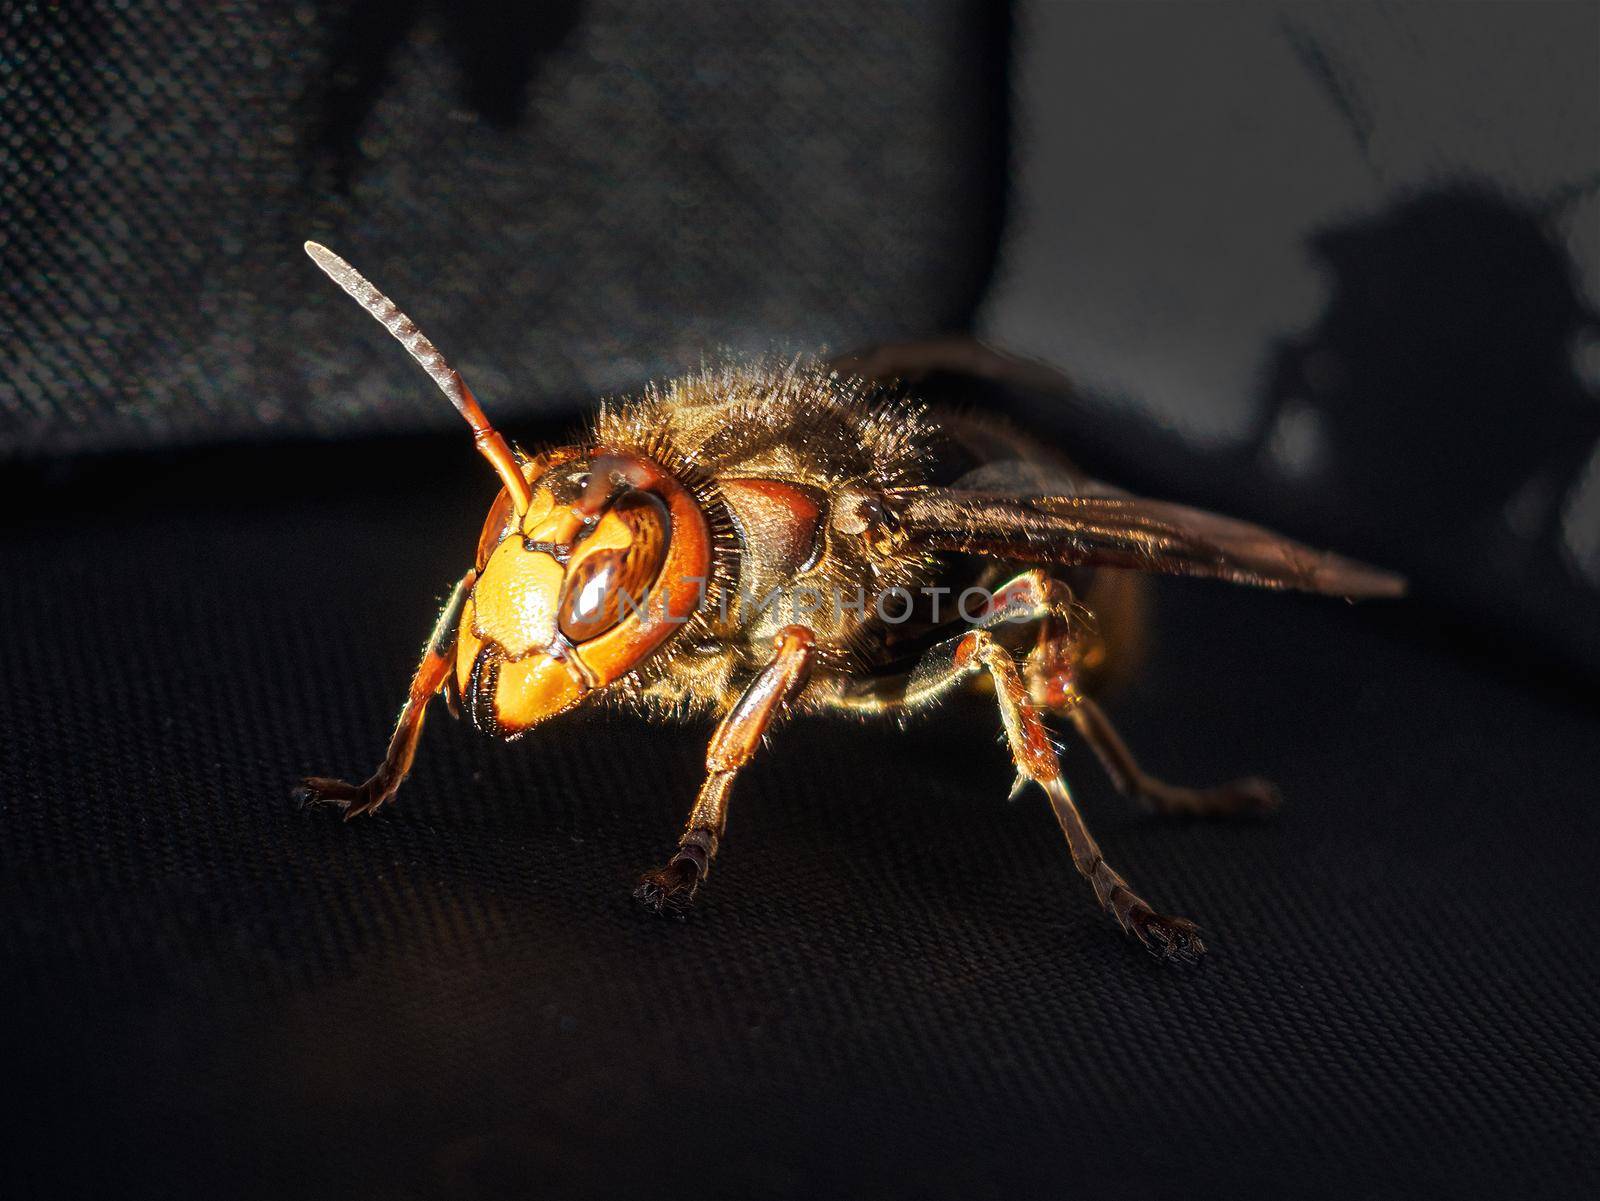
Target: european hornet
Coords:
[(748, 542)]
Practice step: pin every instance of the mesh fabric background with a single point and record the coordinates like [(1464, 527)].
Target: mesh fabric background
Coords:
[(569, 198), (894, 983)]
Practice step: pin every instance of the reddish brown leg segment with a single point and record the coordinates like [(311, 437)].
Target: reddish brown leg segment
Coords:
[(1172, 938), (1244, 797), (1051, 672), (671, 888), (380, 787)]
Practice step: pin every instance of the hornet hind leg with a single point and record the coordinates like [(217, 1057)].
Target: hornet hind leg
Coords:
[(1171, 938), (1051, 672), (1247, 797)]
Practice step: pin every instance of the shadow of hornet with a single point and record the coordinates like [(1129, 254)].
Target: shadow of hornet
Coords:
[(1431, 421), (1435, 401)]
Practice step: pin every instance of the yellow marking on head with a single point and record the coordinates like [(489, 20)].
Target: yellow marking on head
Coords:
[(515, 599)]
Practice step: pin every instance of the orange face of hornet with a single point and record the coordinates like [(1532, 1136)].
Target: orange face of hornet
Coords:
[(609, 560)]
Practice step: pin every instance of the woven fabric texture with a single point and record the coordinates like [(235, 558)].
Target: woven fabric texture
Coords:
[(894, 984), (569, 197)]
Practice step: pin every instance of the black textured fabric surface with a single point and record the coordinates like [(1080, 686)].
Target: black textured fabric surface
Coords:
[(572, 195), (894, 983)]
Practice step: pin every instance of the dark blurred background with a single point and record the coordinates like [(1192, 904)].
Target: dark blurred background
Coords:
[(1330, 267)]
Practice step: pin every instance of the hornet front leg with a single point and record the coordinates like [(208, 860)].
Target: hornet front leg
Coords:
[(437, 661), (671, 888)]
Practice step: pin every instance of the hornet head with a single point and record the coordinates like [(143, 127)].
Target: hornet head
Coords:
[(590, 560)]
